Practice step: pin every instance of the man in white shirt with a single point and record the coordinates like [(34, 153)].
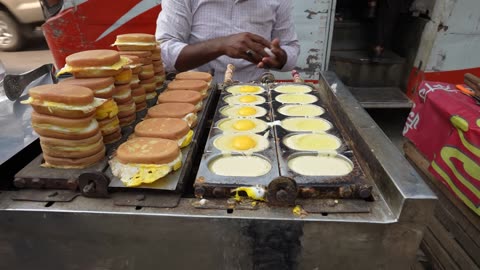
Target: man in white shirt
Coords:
[(253, 35)]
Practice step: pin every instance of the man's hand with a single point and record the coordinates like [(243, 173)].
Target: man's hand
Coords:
[(246, 46), (276, 62)]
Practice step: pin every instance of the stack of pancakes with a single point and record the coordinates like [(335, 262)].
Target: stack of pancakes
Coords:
[(142, 46), (106, 114), (138, 92), (64, 117), (183, 111), (158, 67), (106, 66)]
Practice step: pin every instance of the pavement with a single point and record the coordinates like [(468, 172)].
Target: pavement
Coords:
[(33, 56)]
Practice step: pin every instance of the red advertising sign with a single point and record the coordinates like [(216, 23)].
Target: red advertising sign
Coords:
[(444, 125)]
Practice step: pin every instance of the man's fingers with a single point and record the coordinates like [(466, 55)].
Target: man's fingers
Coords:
[(269, 62), (276, 43), (260, 40)]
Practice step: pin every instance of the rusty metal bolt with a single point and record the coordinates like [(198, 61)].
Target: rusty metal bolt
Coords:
[(72, 184), (282, 195), (365, 192), (19, 182), (199, 192), (90, 188), (140, 197), (219, 192), (345, 191), (307, 192), (37, 183)]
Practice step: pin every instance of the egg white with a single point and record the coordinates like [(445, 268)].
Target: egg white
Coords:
[(224, 143), (235, 100), (232, 111), (226, 125)]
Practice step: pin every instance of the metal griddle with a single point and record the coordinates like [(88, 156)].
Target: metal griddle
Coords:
[(281, 179)]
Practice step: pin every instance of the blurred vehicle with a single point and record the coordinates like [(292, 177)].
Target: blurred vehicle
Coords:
[(18, 20)]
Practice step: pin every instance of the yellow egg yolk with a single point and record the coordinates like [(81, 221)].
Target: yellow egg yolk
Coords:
[(247, 111), (247, 99), (243, 143), (248, 89), (244, 125)]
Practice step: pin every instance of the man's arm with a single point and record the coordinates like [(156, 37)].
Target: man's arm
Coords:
[(234, 46), (173, 30)]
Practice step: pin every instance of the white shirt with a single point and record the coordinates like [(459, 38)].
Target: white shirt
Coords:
[(183, 22)]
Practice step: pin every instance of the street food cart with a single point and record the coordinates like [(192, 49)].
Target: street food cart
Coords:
[(81, 220)]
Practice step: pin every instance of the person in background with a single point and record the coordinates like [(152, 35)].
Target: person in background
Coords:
[(388, 15), (209, 34)]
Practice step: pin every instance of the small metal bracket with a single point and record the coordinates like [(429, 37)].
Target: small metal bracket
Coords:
[(35, 195), (94, 184), (146, 199)]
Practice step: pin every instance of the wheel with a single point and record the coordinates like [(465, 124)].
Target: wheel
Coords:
[(11, 37)]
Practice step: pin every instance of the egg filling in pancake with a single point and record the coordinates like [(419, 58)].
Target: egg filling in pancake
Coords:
[(117, 66), (245, 100), (190, 118), (53, 106), (312, 142), (321, 165), (293, 89), (296, 98), (243, 111), (306, 124), (67, 130), (246, 166), (108, 109), (133, 175), (242, 125), (243, 143), (301, 110), (245, 89), (151, 95)]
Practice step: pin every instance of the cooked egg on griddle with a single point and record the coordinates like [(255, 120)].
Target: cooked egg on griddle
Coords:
[(300, 124), (308, 110), (312, 142), (245, 100), (245, 89), (321, 165), (246, 166), (296, 98), (293, 89), (243, 111), (252, 125), (241, 142)]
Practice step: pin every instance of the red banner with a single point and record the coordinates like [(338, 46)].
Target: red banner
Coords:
[(444, 125)]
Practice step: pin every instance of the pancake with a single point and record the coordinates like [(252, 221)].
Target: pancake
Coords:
[(296, 98), (67, 101), (298, 124), (184, 111), (307, 110), (293, 89), (182, 96), (63, 128), (135, 41), (194, 75), (240, 166), (312, 142), (321, 165), (194, 85), (101, 87)]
